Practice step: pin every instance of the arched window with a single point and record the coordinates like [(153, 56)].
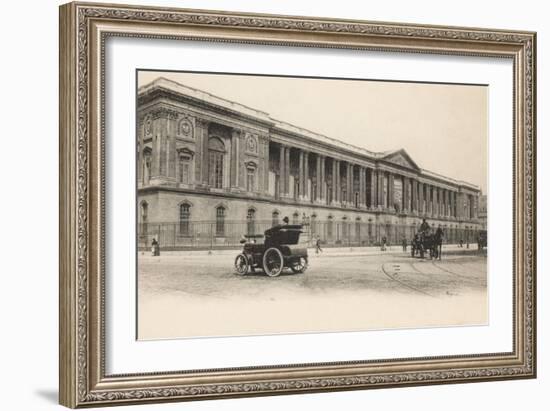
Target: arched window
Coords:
[(330, 226), (144, 210), (216, 153), (275, 218), (250, 221), (296, 218), (185, 215), (220, 221)]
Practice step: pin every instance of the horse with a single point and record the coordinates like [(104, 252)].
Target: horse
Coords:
[(432, 243)]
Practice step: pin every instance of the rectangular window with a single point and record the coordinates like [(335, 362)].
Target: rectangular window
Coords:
[(250, 186), (220, 221), (184, 168), (216, 175), (184, 219)]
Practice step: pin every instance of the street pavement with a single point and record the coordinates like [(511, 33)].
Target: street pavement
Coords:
[(410, 291)]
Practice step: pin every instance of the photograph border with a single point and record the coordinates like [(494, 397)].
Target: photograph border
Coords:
[(84, 28)]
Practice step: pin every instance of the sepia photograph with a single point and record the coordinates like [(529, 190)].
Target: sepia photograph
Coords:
[(271, 204)]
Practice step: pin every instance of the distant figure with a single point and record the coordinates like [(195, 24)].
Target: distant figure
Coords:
[(439, 234), (318, 245), (461, 243), (404, 243), (155, 249), (424, 228), (384, 241)]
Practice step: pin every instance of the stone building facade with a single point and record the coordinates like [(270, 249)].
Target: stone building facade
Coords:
[(206, 164)]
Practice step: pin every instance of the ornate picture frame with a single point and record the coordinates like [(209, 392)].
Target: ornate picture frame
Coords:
[(84, 28)]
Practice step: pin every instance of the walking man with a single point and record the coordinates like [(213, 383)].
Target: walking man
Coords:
[(318, 245)]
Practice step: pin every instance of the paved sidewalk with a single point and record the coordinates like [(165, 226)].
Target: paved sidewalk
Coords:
[(331, 251)]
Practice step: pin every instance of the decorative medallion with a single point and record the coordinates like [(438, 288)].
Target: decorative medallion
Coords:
[(148, 125), (251, 143), (185, 128)]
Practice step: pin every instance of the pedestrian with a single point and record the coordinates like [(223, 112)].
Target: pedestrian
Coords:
[(384, 241), (155, 250), (461, 243), (318, 245), (404, 243)]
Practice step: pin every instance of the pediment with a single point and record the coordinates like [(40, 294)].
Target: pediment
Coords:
[(401, 158)]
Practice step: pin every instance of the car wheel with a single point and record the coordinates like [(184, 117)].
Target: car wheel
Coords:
[(299, 265), (273, 262), (241, 264)]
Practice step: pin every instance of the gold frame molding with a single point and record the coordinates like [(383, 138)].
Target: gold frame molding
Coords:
[(83, 30)]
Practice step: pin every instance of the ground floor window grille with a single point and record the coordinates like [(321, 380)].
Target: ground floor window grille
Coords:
[(220, 221), (250, 219), (185, 214)]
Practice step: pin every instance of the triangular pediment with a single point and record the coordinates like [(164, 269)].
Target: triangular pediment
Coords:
[(401, 158)]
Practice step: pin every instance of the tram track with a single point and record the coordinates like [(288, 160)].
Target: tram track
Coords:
[(404, 284), (465, 277)]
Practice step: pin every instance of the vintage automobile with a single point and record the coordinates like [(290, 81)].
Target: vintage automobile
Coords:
[(277, 249)]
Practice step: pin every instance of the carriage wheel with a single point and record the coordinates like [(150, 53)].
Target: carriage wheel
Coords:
[(299, 265), (273, 262), (241, 264)]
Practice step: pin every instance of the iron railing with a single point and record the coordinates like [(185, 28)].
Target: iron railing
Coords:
[(214, 235)]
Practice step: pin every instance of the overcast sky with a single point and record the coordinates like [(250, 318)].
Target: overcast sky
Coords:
[(442, 127)]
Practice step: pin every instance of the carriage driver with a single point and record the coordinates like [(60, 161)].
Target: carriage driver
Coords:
[(424, 228)]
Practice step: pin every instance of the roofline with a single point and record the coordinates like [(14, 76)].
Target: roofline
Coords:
[(174, 86)]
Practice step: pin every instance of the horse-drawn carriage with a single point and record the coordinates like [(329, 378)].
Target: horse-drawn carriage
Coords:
[(482, 240), (430, 243), (277, 249)]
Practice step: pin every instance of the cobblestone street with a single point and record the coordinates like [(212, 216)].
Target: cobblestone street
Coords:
[(200, 294)]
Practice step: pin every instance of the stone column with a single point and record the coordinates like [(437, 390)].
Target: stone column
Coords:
[(433, 198), (414, 195), (334, 180), (373, 188), (390, 191), (322, 190), (437, 201), (266, 165), (234, 158), (281, 170), (454, 208), (317, 178), (201, 156), (406, 198), (140, 160), (362, 184), (349, 184), (382, 197), (339, 199), (306, 175), (301, 175), (287, 171)]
